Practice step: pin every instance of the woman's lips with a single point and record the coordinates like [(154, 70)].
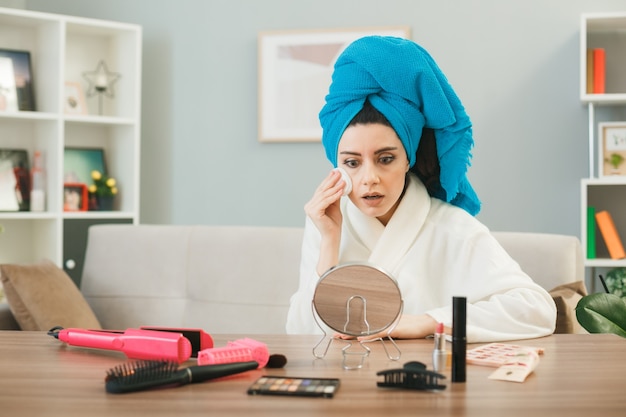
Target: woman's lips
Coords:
[(372, 199)]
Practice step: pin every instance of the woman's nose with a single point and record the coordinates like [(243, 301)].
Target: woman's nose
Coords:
[(370, 175)]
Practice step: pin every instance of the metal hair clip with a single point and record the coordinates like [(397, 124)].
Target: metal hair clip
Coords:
[(412, 376)]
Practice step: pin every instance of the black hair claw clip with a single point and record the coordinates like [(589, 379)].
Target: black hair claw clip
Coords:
[(413, 375)]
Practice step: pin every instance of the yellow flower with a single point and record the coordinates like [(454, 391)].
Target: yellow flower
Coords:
[(103, 185)]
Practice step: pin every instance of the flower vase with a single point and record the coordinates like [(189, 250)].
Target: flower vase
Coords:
[(104, 203)]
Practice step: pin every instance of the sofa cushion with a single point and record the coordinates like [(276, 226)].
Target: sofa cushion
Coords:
[(566, 298), (549, 259), (42, 296), (223, 279), (240, 278), (137, 275)]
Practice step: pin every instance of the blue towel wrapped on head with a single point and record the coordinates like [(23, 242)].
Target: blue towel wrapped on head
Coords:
[(402, 81)]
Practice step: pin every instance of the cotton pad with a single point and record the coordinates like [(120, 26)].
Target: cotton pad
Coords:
[(346, 178)]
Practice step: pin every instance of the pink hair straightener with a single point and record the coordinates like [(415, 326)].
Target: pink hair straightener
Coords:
[(240, 350), (134, 343), (199, 339)]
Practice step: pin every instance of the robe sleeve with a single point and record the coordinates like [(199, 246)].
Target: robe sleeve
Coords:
[(503, 302), (300, 319)]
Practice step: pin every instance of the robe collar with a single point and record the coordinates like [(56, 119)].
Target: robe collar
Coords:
[(388, 245)]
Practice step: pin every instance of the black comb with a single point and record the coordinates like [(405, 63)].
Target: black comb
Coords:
[(142, 375)]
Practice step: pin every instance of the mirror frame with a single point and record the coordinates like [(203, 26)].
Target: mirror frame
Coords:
[(357, 299)]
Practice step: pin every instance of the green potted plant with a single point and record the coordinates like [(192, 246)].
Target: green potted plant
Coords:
[(605, 312), (615, 160), (102, 191)]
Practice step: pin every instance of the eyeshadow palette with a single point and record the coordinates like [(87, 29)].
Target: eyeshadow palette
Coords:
[(301, 387)]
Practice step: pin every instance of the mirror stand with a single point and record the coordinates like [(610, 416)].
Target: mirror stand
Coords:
[(347, 353)]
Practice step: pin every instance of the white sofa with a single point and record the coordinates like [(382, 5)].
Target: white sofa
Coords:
[(224, 279), (238, 279)]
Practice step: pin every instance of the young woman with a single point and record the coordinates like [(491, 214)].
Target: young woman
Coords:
[(395, 125)]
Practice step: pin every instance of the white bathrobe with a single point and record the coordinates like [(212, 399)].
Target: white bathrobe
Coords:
[(435, 251)]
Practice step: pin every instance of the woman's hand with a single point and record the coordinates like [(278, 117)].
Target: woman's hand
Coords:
[(323, 208), (325, 212), (414, 327), (409, 327)]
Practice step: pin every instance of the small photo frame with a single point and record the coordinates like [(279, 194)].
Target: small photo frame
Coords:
[(22, 77), (75, 197), (15, 180), (611, 149), (8, 92), (74, 100), (79, 162), (295, 71)]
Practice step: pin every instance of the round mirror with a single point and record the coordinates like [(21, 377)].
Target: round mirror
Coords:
[(357, 299)]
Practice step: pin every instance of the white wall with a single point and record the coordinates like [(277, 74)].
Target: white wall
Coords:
[(18, 4), (514, 65)]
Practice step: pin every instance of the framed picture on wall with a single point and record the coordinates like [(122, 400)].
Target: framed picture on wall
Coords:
[(295, 70), (23, 77), (611, 149)]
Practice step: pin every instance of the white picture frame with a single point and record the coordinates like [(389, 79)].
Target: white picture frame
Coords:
[(611, 149), (295, 70), (74, 99), (8, 90)]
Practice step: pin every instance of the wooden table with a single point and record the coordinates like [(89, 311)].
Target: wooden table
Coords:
[(579, 375)]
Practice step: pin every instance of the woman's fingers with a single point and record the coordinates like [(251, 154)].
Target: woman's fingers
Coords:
[(327, 193)]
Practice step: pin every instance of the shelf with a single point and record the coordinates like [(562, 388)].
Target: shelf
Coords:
[(26, 215), (99, 120), (606, 31), (603, 194), (605, 263), (616, 180), (62, 49), (28, 115), (98, 215), (604, 99)]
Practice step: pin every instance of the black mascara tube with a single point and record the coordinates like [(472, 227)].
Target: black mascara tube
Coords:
[(459, 338)]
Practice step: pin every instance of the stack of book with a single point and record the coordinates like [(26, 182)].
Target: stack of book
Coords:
[(608, 231), (596, 64)]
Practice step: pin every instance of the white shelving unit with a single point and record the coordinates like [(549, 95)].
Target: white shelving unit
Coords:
[(603, 30), (62, 48)]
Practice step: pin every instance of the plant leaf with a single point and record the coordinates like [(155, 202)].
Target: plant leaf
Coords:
[(602, 313)]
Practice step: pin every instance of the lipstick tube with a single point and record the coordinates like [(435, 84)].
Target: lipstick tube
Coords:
[(440, 356)]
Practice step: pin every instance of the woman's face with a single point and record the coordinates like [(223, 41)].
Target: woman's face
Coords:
[(374, 157)]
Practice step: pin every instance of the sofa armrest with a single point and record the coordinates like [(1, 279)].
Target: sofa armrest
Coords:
[(7, 321)]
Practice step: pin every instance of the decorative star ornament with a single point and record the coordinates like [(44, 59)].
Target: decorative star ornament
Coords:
[(101, 80)]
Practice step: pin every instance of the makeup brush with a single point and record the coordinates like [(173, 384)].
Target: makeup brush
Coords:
[(142, 375)]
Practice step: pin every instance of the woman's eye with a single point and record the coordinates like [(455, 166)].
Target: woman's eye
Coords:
[(387, 159), (351, 163)]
